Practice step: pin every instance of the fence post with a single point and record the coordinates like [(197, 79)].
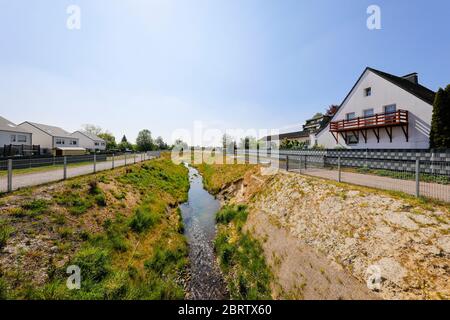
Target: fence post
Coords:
[(339, 169), (125, 159), (95, 162), (417, 178), (306, 160), (65, 168), (134, 157), (10, 168), (287, 163), (112, 164)]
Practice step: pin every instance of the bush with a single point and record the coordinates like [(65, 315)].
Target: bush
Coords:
[(100, 199), (142, 220), (95, 263), (94, 188)]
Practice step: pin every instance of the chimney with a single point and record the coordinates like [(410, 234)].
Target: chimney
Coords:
[(413, 77)]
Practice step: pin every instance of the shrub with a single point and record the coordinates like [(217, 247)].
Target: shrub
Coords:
[(100, 199), (95, 263), (142, 220), (94, 188)]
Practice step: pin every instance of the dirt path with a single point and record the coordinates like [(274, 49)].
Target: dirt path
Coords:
[(301, 272)]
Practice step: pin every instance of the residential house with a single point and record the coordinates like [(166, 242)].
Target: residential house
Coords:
[(90, 141), (381, 111), (310, 128), (53, 139), (14, 140)]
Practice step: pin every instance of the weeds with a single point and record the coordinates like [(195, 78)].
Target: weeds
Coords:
[(241, 257)]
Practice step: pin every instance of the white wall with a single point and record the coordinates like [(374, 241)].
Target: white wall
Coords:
[(66, 142), (383, 93), (88, 143), (5, 138), (39, 137)]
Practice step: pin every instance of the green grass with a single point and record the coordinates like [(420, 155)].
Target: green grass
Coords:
[(215, 176), (241, 257), (5, 233), (44, 168), (143, 219), (137, 256)]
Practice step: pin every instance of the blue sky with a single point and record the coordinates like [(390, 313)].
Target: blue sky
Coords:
[(163, 64)]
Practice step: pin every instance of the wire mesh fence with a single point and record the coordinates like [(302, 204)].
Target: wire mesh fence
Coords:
[(19, 173), (419, 177)]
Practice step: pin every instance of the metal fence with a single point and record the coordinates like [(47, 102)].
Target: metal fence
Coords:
[(430, 179), (19, 173), (418, 176)]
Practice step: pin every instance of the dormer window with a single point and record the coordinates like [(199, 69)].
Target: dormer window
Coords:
[(367, 92)]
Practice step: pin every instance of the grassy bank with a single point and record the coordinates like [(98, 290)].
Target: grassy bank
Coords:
[(121, 228), (241, 256), (216, 176)]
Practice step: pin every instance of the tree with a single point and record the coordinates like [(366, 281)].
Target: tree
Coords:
[(160, 144), (440, 121), (144, 141), (248, 143), (332, 110), (180, 144), (109, 139), (93, 129), (124, 139)]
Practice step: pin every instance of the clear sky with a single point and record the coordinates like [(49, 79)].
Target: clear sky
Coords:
[(163, 64)]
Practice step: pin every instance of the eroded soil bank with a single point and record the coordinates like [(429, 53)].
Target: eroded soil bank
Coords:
[(323, 240)]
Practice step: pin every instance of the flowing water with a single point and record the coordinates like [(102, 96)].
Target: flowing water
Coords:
[(206, 281)]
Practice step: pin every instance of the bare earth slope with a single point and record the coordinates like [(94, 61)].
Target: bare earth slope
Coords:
[(353, 228)]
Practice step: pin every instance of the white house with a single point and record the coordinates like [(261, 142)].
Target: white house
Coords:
[(11, 134), (381, 111), (51, 138), (90, 141)]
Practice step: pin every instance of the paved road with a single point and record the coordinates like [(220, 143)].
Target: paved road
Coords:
[(33, 179)]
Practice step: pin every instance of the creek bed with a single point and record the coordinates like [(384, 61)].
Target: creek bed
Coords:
[(206, 281)]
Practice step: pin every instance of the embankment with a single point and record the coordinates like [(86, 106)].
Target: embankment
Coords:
[(324, 240), (122, 228)]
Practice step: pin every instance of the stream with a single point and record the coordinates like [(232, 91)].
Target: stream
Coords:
[(206, 281)]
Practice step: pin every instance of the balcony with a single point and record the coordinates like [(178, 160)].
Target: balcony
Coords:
[(361, 125)]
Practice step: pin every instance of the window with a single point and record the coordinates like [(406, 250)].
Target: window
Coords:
[(350, 116), (13, 138), (368, 113), (96, 143), (352, 139), (103, 144), (390, 108), (22, 138), (59, 141), (73, 142), (368, 92)]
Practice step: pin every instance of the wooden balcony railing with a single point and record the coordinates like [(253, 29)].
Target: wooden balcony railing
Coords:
[(379, 120)]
